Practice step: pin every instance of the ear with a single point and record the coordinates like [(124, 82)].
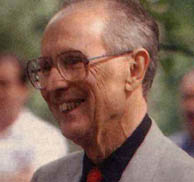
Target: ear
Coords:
[(138, 65)]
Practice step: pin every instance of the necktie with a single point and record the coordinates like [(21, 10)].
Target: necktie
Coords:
[(94, 175)]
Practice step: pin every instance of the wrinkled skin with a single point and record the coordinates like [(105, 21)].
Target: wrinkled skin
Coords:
[(100, 123)]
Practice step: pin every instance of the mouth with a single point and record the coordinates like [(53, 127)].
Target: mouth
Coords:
[(70, 105)]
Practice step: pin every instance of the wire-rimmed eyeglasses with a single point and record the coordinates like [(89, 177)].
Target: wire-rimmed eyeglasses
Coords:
[(72, 66)]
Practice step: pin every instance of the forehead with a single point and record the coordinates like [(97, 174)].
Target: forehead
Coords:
[(74, 28)]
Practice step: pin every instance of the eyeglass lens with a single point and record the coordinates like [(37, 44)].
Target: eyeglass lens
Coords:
[(71, 66)]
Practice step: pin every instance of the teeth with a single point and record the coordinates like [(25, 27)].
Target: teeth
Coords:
[(68, 106)]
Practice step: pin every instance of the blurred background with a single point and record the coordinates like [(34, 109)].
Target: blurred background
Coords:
[(22, 23)]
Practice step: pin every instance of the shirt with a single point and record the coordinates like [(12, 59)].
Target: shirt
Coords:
[(30, 141), (113, 167)]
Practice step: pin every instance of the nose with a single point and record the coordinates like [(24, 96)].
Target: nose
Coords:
[(55, 81)]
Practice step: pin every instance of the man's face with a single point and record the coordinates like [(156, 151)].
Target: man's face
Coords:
[(11, 90), (101, 93), (188, 102)]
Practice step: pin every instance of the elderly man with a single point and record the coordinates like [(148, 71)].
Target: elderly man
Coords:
[(98, 62), (185, 139)]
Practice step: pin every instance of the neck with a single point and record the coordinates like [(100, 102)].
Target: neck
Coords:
[(115, 133)]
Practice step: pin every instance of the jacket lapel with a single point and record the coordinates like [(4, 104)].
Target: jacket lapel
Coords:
[(142, 166), (144, 163), (72, 168)]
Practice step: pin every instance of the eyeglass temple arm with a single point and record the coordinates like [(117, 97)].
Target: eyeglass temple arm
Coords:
[(108, 55)]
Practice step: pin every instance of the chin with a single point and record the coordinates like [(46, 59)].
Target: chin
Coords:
[(78, 131)]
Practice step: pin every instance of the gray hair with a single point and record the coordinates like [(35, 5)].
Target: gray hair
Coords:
[(128, 27), (131, 27)]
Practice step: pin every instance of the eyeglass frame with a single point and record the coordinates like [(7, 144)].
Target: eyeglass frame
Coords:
[(86, 63)]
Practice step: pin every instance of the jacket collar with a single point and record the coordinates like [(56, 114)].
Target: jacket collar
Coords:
[(146, 160), (142, 166)]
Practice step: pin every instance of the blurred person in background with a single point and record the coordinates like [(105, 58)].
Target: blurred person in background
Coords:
[(26, 141), (185, 139)]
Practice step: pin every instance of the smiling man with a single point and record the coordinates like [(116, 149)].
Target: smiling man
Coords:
[(98, 63)]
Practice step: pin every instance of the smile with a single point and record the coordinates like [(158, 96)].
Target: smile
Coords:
[(70, 105)]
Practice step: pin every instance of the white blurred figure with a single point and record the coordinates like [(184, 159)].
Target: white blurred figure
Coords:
[(26, 141)]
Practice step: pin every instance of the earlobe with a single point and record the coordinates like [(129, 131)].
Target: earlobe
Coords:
[(128, 85), (131, 85)]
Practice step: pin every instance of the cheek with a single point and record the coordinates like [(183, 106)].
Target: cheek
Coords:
[(116, 98), (110, 100), (109, 81)]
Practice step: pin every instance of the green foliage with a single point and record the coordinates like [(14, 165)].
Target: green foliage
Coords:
[(22, 23), (176, 39)]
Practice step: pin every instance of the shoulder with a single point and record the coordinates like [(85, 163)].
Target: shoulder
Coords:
[(159, 160), (174, 164), (26, 116), (45, 141), (65, 168), (32, 125)]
